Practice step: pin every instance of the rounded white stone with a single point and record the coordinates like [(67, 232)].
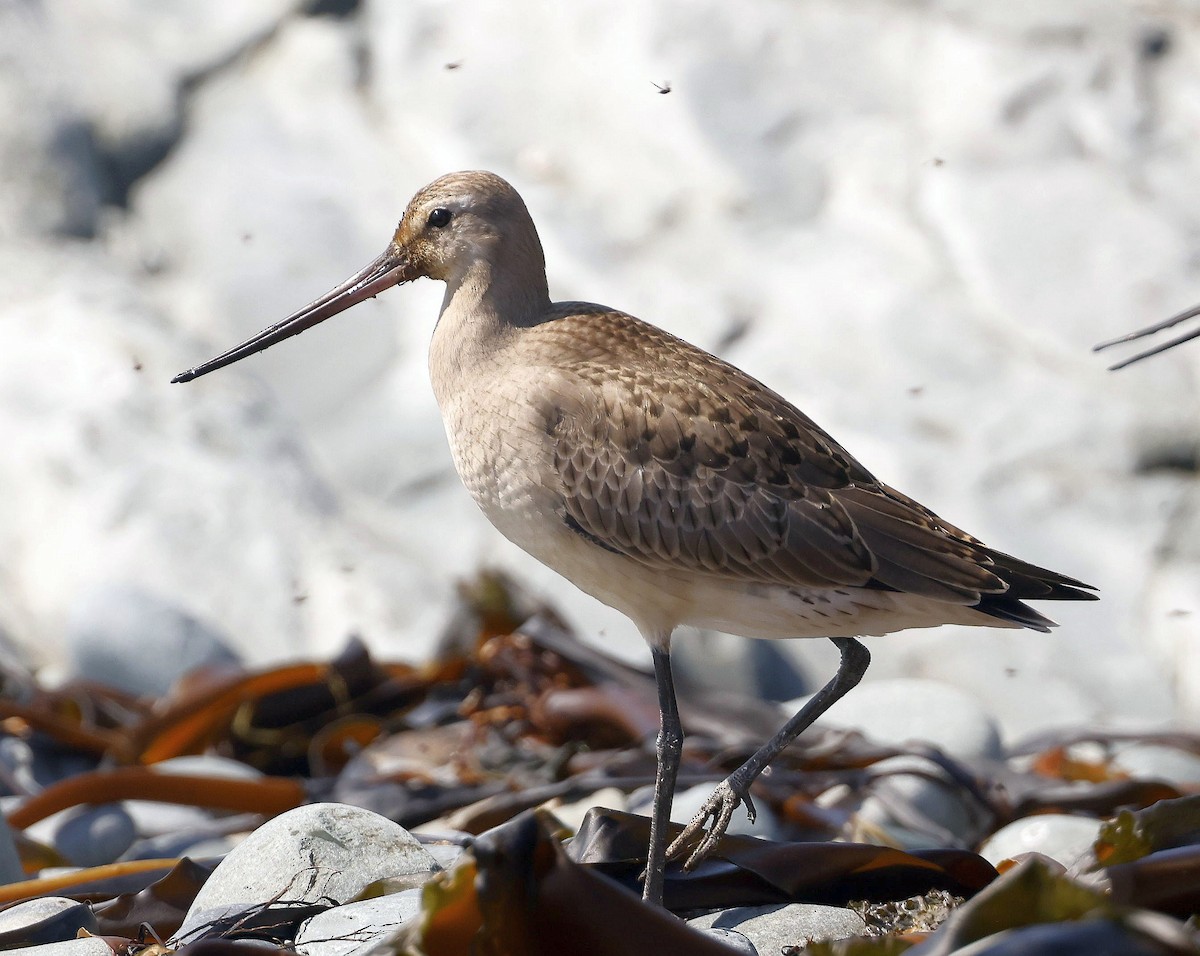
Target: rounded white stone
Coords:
[(920, 784), (138, 641), (93, 836), (903, 709), (771, 928), (1158, 762), (323, 851), (357, 927), (1060, 836), (45, 919)]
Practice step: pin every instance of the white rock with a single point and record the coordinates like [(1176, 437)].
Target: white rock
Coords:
[(208, 765), (165, 831), (130, 85), (755, 668), (49, 183), (11, 870), (323, 850), (1158, 762), (87, 946), (733, 939), (357, 927), (571, 814), (44, 920), (139, 642), (17, 757), (771, 928), (1059, 836), (444, 844), (1011, 675), (1170, 612), (197, 843), (155, 818), (902, 710), (95, 835), (199, 495), (446, 854), (946, 816)]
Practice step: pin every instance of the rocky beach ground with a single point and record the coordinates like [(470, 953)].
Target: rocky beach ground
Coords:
[(492, 800)]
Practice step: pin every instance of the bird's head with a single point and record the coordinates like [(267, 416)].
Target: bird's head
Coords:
[(456, 222)]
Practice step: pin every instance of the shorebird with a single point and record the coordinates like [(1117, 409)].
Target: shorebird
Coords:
[(1151, 330), (664, 481)]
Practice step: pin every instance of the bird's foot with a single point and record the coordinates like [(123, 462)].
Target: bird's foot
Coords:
[(718, 809)]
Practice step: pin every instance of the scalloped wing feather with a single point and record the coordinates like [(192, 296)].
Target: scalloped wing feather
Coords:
[(679, 460)]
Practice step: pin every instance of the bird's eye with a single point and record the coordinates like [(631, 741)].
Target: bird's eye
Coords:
[(439, 218)]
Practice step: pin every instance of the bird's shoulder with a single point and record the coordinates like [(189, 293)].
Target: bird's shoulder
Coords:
[(673, 457), (620, 383)]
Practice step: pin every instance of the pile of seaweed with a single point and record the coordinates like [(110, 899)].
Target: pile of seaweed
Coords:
[(512, 729)]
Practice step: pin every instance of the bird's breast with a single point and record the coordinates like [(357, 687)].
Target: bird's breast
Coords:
[(501, 450)]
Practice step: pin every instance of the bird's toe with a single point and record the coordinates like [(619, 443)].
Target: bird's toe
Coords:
[(700, 837)]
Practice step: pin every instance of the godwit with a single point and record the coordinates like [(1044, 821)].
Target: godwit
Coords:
[(663, 481)]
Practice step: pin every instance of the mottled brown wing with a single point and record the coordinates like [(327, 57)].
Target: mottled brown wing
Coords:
[(676, 459)]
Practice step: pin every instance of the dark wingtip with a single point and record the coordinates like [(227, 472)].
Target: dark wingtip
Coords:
[(1028, 582)]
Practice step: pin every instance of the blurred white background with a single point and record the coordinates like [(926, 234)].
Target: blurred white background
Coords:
[(913, 219)]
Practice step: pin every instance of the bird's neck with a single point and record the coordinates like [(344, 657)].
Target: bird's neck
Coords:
[(507, 293), (484, 309)]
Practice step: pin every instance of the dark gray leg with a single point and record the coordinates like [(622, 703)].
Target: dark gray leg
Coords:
[(735, 788), (669, 746)]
